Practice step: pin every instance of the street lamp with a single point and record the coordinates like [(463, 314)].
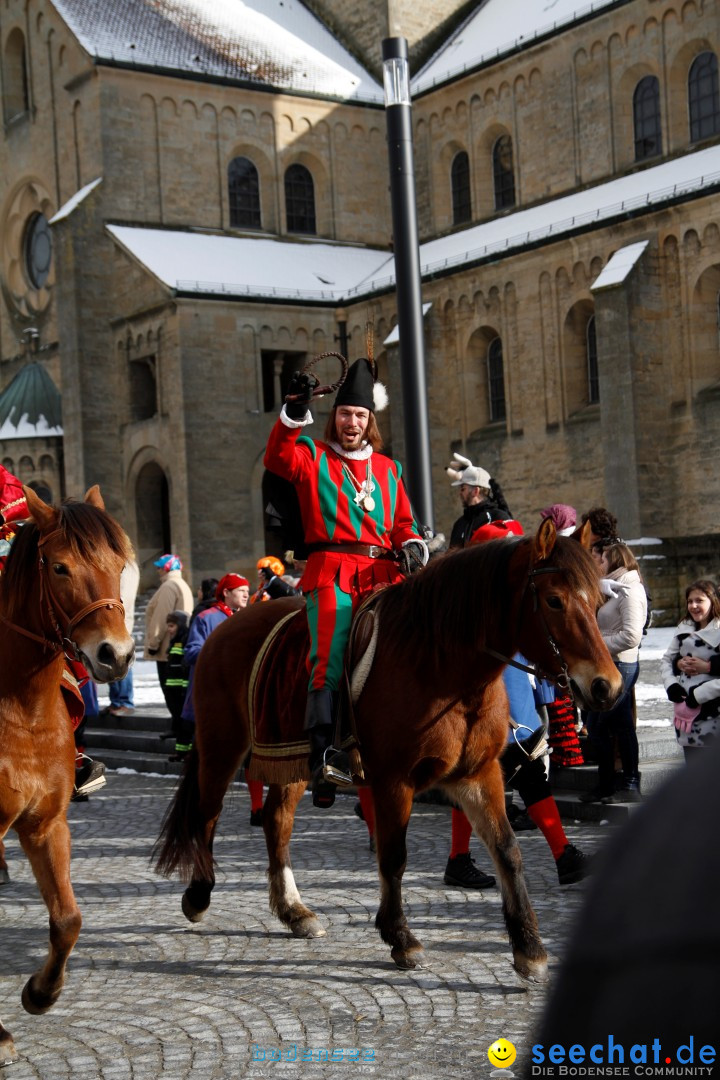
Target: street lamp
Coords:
[(396, 80)]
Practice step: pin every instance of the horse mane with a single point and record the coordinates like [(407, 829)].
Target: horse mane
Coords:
[(443, 616), (90, 533)]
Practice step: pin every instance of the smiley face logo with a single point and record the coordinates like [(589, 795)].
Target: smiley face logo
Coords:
[(502, 1053)]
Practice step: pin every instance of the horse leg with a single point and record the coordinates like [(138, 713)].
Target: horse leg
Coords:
[(214, 773), (484, 803), (285, 902), (48, 849), (8, 1053), (4, 877), (393, 805)]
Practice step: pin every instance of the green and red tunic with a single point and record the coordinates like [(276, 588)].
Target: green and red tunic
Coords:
[(327, 483)]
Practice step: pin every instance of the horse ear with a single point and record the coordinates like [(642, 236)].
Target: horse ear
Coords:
[(544, 541), (94, 497), (43, 515), (583, 534)]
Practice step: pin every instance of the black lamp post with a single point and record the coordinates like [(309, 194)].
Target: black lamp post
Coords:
[(396, 78)]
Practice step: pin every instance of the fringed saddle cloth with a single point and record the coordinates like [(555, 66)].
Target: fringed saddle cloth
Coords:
[(277, 694)]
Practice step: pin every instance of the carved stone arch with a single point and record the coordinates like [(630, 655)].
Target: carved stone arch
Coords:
[(651, 26), (579, 275), (461, 112), (562, 279), (489, 98), (301, 340), (341, 132), (61, 56), (449, 308), (520, 86), (494, 300), (690, 10), (598, 50), (632, 32), (258, 156), (670, 244), (678, 70), (26, 467), (16, 75), (536, 80), (358, 132), (248, 119), (148, 497), (691, 242), (169, 106), (228, 115), (711, 237), (580, 58), (476, 378), (705, 328), (266, 337), (575, 326), (321, 186), (596, 265), (447, 115), (47, 463), (465, 306), (286, 124), (504, 92)]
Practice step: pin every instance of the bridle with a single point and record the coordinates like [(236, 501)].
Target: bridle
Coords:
[(62, 624), (563, 678)]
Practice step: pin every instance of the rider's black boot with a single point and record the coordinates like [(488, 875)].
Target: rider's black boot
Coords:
[(328, 767)]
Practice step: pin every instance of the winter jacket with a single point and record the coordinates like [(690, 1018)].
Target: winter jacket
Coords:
[(472, 518), (622, 618), (204, 624), (704, 644), (173, 595)]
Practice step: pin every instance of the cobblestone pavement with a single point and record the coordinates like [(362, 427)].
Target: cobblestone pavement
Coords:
[(148, 994)]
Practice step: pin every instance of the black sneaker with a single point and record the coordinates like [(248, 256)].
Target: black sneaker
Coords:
[(629, 792), (256, 817), (596, 796), (323, 793), (572, 865), (520, 820), (463, 872), (89, 777)]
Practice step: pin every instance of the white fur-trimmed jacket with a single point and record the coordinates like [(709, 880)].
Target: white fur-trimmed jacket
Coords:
[(704, 644), (622, 618)]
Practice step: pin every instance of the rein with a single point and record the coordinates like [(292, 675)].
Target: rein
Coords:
[(64, 643), (563, 678)]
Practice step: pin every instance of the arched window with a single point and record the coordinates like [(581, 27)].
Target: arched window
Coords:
[(496, 380), (460, 185), (592, 362), (646, 118), (503, 176), (703, 102), (16, 100), (244, 194), (300, 200)]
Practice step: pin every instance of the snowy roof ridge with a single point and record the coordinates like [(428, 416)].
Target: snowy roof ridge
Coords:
[(275, 44), (30, 405), (483, 36), (326, 272), (67, 208)]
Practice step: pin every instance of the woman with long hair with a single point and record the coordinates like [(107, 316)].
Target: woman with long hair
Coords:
[(621, 620)]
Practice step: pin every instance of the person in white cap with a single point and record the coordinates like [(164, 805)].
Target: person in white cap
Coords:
[(481, 496)]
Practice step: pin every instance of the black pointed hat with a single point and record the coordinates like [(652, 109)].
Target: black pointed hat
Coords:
[(361, 387)]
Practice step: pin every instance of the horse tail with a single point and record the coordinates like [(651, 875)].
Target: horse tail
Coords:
[(182, 848)]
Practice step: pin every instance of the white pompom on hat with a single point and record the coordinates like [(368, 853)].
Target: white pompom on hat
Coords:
[(462, 471)]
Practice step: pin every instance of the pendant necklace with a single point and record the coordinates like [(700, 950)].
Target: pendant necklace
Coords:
[(363, 496)]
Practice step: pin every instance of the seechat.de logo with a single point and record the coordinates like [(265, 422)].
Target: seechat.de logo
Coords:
[(690, 1058)]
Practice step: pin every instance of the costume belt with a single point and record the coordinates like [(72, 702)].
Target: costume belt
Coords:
[(370, 551)]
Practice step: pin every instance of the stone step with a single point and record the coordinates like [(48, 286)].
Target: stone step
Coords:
[(568, 784), (131, 742), (141, 720)]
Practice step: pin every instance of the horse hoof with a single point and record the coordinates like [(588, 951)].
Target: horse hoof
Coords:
[(191, 913), (407, 959), (4, 876), (36, 1003), (307, 927), (532, 970), (8, 1053)]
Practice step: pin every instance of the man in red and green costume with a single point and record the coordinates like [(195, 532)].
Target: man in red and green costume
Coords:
[(359, 531)]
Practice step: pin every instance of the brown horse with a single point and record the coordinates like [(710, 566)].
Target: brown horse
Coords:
[(58, 597), (433, 712)]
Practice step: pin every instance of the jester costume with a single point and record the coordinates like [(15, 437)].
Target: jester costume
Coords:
[(356, 516)]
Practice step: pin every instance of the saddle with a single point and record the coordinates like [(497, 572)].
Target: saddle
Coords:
[(277, 695)]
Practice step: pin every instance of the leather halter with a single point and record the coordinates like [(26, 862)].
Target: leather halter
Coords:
[(563, 678), (64, 627)]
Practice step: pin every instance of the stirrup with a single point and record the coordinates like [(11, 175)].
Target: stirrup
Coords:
[(536, 744), (338, 773)]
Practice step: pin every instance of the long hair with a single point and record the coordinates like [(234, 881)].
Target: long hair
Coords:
[(90, 534), (707, 588), (618, 555), (372, 431)]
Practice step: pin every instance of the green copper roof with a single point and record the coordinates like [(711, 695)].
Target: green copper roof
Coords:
[(30, 405)]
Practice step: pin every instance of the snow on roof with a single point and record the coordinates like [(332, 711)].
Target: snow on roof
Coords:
[(393, 337), (619, 266), (274, 43), (67, 208), (569, 213), (250, 266), (307, 270), (492, 31)]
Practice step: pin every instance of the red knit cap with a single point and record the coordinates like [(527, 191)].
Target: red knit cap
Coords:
[(496, 530), (230, 581)]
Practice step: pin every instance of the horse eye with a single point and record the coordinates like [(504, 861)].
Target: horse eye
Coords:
[(554, 602), (60, 569)]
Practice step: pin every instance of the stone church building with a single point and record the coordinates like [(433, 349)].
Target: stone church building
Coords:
[(194, 201)]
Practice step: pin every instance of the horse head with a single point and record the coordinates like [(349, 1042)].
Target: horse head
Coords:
[(558, 617), (82, 551)]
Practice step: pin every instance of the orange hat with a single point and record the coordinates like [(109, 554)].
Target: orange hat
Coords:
[(272, 563)]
